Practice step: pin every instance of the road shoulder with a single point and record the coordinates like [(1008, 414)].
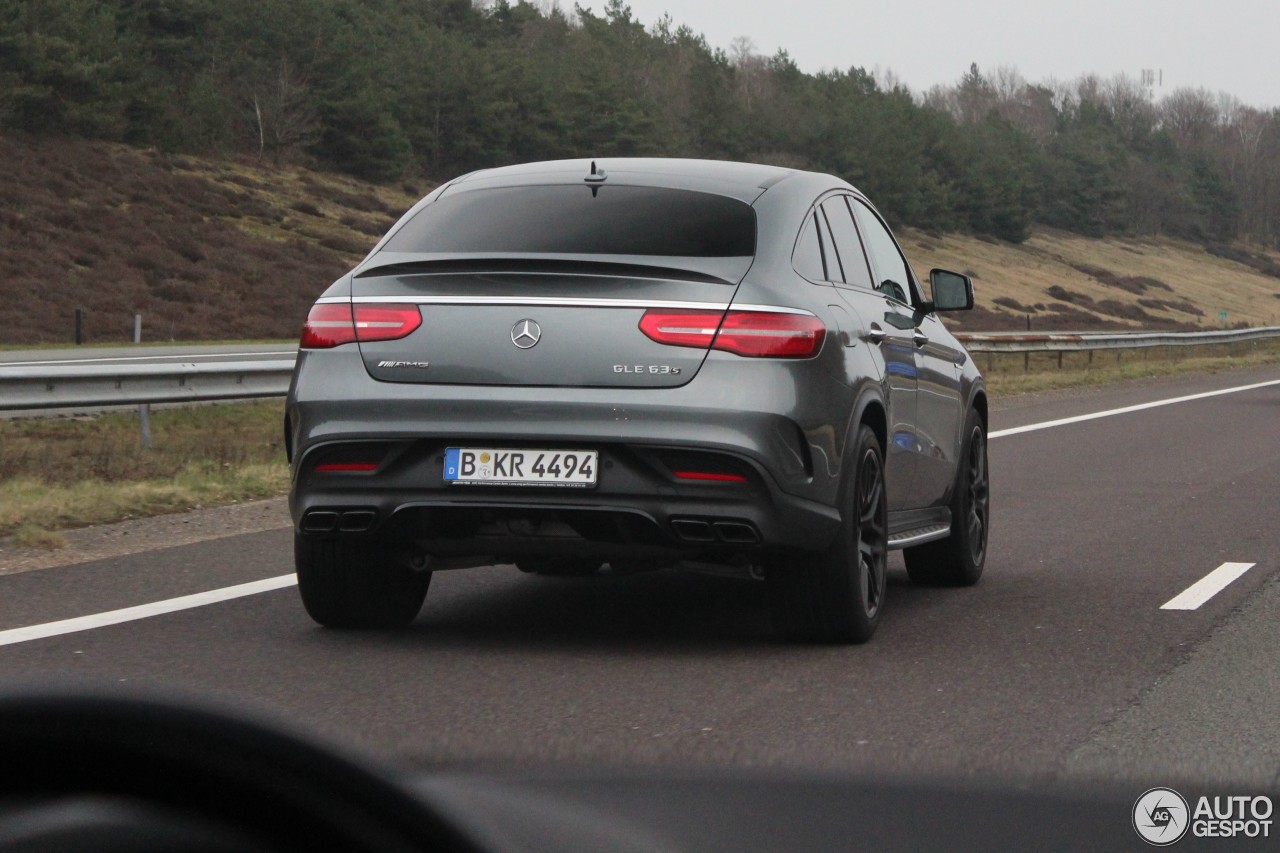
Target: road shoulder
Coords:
[(148, 534), (1216, 709)]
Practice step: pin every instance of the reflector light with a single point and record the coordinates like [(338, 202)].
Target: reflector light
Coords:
[(333, 324), (348, 466), (710, 475), (756, 334)]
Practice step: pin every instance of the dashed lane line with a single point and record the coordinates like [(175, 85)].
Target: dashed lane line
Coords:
[(1207, 587)]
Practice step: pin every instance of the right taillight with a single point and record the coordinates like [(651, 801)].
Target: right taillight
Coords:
[(332, 324), (771, 334), (756, 334)]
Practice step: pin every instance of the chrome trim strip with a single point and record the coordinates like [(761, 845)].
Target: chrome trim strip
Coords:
[(533, 301), (775, 309), (559, 302)]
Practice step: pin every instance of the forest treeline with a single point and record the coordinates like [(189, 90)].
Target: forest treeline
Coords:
[(382, 89)]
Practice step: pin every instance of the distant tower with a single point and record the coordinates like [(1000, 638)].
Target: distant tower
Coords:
[(1153, 78)]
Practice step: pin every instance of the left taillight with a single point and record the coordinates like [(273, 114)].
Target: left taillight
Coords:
[(332, 324), (756, 334), (681, 328), (328, 325)]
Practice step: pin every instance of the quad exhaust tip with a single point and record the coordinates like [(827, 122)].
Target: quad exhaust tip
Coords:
[(334, 521), (707, 530), (693, 530), (737, 532)]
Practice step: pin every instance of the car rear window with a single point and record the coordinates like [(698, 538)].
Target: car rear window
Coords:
[(582, 220)]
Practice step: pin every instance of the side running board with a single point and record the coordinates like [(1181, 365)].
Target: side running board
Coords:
[(917, 528)]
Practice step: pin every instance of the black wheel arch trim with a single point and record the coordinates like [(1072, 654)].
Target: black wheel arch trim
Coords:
[(870, 399), (870, 408), (978, 400)]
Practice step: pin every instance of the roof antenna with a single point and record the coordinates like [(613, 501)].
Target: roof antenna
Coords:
[(596, 179)]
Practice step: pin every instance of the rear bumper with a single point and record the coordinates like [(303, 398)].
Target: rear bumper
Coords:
[(639, 508), (770, 422)]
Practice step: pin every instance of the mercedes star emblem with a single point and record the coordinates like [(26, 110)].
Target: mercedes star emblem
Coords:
[(526, 334)]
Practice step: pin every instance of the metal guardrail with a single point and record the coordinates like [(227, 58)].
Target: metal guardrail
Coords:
[(89, 386), (1073, 342), (72, 386)]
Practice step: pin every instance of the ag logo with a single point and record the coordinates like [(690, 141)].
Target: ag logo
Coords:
[(1161, 816)]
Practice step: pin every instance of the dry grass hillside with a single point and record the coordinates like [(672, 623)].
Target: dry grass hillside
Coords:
[(219, 249), (1065, 281), (203, 249)]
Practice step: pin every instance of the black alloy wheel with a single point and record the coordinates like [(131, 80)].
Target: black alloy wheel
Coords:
[(873, 529), (837, 596), (978, 497), (959, 559)]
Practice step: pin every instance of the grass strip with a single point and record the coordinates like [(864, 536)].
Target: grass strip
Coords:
[(33, 510), (61, 473), (1008, 383)]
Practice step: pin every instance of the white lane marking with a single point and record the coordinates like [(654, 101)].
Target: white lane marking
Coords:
[(1207, 587), (185, 357), (1127, 409), (142, 611)]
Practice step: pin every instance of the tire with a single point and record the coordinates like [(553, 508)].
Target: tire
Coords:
[(838, 596), (564, 567), (958, 560), (624, 567), (355, 583)]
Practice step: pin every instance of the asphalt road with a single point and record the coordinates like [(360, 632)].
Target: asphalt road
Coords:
[(1061, 663)]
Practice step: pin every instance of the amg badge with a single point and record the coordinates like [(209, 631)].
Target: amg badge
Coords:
[(418, 364)]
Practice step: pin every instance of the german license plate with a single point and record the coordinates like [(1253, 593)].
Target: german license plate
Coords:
[(505, 466)]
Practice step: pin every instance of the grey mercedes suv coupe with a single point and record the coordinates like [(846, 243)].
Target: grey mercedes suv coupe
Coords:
[(644, 363)]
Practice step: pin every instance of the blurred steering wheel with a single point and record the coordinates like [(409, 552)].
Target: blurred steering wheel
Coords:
[(121, 774)]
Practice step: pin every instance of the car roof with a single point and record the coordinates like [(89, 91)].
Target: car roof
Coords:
[(741, 180)]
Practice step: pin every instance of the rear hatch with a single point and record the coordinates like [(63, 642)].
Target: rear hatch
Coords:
[(553, 285), (563, 324)]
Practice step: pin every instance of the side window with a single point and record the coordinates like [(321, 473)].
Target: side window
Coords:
[(807, 259), (891, 269), (853, 262)]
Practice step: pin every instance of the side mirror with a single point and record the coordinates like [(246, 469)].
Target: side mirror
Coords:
[(951, 291)]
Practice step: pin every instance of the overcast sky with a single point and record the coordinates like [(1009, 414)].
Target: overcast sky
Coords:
[(1231, 46)]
